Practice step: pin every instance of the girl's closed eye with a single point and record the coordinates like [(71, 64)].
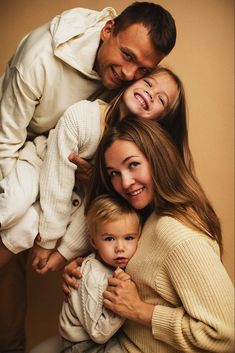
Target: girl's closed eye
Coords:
[(148, 83), (162, 101)]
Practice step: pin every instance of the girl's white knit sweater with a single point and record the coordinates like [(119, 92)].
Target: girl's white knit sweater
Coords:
[(79, 130)]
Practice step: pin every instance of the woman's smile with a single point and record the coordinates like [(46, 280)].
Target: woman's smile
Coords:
[(130, 173)]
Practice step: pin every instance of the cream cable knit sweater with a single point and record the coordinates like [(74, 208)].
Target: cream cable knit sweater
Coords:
[(83, 316), (180, 272)]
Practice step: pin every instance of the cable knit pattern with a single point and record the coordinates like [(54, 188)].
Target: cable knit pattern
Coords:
[(79, 129), (192, 293), (84, 317)]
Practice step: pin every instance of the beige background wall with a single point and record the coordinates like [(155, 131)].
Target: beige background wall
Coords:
[(203, 58)]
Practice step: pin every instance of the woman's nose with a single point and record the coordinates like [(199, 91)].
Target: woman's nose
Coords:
[(127, 181)]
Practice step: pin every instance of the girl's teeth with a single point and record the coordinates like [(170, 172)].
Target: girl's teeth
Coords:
[(141, 101)]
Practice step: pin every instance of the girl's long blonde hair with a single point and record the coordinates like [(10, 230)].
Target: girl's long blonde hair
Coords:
[(173, 120)]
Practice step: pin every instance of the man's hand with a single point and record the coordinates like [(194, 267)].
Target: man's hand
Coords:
[(71, 275), (84, 168)]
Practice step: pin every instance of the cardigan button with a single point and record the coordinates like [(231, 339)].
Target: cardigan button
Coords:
[(75, 202)]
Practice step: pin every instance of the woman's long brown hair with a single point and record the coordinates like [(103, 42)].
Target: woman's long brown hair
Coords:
[(177, 191)]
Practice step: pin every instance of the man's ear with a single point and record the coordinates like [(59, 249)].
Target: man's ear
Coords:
[(107, 30)]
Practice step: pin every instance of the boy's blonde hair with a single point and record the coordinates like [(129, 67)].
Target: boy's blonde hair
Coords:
[(107, 208)]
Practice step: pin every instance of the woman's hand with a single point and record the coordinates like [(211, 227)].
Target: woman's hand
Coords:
[(71, 274), (84, 168), (122, 298)]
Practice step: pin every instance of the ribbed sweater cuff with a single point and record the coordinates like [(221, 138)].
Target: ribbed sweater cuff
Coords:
[(164, 322), (47, 244), (70, 253)]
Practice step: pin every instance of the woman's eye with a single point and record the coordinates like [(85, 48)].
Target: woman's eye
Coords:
[(113, 174), (148, 83), (133, 164)]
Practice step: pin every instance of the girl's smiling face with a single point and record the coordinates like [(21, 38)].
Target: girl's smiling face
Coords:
[(150, 96), (130, 173)]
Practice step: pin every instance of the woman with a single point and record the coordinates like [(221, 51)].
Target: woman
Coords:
[(180, 297)]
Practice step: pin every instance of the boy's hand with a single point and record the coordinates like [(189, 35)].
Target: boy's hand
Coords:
[(40, 256), (120, 274)]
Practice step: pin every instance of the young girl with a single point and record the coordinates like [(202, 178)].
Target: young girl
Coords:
[(185, 298), (158, 96)]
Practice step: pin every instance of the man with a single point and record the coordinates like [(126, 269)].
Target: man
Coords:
[(78, 55)]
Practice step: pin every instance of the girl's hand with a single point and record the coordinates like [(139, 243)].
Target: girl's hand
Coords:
[(123, 299), (84, 168), (71, 275), (40, 257), (55, 263)]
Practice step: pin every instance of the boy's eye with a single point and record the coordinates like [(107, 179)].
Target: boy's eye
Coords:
[(108, 238), (129, 237)]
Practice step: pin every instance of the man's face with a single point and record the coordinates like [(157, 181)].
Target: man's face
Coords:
[(125, 57)]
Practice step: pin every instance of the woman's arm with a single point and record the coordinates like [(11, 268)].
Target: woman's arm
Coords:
[(198, 312)]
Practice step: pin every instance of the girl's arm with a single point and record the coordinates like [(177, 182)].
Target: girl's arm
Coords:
[(79, 130)]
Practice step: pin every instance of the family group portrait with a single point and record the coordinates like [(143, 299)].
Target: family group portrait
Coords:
[(117, 176)]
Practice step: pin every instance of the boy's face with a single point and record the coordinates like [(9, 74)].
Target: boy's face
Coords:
[(125, 57), (116, 240)]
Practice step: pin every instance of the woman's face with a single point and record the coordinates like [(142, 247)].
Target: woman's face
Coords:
[(150, 96), (130, 173)]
